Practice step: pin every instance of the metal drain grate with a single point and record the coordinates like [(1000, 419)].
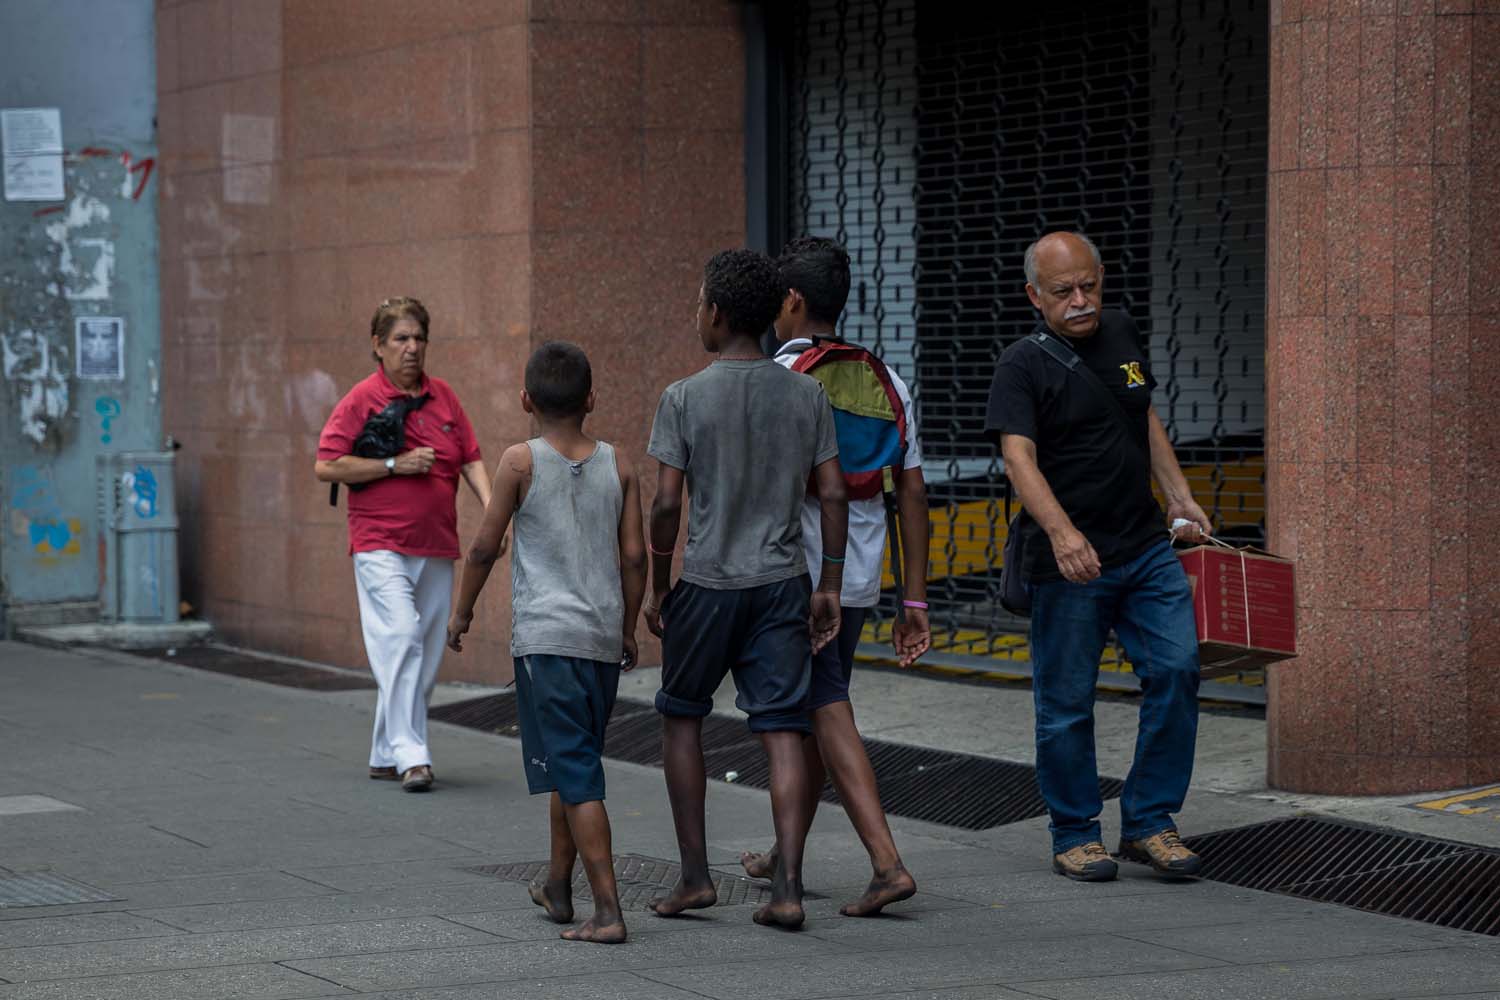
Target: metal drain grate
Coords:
[(954, 789), (47, 889), (259, 668), (1435, 881), (640, 880)]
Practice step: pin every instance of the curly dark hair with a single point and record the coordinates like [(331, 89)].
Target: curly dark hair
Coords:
[(559, 379), (747, 288), (818, 268)]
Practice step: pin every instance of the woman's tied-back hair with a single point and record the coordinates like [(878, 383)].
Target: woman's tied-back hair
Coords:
[(818, 268), (747, 288), (559, 379), (392, 311)]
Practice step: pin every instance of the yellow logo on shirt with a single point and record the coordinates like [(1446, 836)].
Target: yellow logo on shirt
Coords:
[(1133, 374)]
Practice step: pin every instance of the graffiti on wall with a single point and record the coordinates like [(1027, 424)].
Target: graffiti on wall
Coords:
[(108, 409), (38, 518), (140, 491), (39, 368), (67, 257)]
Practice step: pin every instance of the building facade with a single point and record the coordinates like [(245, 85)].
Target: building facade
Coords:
[(1294, 200)]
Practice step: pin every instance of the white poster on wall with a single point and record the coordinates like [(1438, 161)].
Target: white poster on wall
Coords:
[(101, 347), (33, 153)]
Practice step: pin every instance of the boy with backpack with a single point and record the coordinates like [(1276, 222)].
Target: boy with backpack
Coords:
[(744, 435), (877, 434), (578, 572)]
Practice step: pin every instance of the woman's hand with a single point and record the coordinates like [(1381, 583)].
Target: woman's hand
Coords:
[(458, 625), (417, 462)]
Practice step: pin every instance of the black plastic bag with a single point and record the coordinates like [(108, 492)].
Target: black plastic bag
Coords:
[(383, 436)]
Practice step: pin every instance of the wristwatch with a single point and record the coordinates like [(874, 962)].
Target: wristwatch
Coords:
[(390, 466)]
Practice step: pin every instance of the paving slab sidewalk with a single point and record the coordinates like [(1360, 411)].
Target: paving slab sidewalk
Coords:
[(250, 857)]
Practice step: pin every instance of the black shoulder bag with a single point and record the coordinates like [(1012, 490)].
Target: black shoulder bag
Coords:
[(1013, 594), (383, 436)]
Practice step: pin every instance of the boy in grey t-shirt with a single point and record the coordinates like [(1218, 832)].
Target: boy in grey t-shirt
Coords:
[(744, 435)]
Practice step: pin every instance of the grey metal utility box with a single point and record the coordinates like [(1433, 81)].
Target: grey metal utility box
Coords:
[(137, 537)]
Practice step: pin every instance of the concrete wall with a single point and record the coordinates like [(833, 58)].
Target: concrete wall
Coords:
[(530, 171), (92, 254)]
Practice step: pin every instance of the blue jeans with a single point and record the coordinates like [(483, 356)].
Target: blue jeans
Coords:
[(1149, 604)]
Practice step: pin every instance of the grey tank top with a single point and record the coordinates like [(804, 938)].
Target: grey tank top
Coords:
[(565, 558)]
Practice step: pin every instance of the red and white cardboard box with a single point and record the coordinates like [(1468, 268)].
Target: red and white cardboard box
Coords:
[(1244, 607)]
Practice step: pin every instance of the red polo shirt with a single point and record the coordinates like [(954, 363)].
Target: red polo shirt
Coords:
[(412, 515)]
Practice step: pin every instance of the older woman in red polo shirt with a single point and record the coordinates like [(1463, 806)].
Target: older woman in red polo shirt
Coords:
[(403, 531)]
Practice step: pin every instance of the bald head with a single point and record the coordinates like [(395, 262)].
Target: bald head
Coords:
[(1060, 251), (1064, 280)]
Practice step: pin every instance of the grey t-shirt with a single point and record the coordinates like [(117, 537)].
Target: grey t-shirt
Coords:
[(747, 434)]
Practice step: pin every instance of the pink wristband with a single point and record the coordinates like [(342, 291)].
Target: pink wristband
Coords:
[(656, 551), (921, 605)]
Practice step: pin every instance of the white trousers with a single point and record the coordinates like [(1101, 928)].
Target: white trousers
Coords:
[(403, 609)]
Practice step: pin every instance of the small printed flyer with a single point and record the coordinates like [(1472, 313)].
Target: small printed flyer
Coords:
[(33, 153), (101, 348)]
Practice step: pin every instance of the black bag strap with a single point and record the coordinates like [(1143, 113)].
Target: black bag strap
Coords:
[(1069, 359)]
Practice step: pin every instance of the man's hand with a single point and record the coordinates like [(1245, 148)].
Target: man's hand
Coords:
[(653, 614), (457, 625), (1188, 510), (416, 462), (911, 638), (1076, 558), (825, 618), (629, 653)]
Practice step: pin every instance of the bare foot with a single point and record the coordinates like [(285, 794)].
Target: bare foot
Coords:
[(759, 865), (685, 897), (787, 914), (556, 897), (885, 888), (598, 930)]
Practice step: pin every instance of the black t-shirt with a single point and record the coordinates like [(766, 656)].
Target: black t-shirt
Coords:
[(1100, 476)]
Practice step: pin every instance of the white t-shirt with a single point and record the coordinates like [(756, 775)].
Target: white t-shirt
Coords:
[(865, 556)]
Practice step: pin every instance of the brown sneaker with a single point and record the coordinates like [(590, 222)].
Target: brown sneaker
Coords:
[(384, 774), (417, 779), (1163, 851), (1086, 863)]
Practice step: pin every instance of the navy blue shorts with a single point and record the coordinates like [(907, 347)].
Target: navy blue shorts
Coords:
[(833, 665), (760, 634), (564, 706)]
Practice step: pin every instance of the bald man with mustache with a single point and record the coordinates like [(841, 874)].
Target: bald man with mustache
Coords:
[(1097, 556)]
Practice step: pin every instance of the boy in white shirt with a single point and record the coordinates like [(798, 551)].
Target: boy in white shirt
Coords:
[(816, 273)]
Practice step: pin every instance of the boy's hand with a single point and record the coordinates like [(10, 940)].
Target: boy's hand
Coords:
[(825, 618), (912, 638), (629, 653), (653, 614), (457, 625)]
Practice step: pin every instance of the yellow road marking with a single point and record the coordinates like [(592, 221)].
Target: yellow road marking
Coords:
[(1462, 804)]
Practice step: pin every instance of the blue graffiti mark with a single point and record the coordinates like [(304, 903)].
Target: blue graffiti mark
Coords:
[(39, 517), (108, 409), (143, 489), (55, 533), (33, 494)]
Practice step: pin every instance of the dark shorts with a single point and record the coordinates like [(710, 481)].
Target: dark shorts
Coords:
[(833, 665), (759, 634), (564, 705)]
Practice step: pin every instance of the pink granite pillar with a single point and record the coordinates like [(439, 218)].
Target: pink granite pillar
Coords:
[(1383, 354)]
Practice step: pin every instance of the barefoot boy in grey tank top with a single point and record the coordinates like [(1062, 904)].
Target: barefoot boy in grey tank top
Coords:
[(577, 576)]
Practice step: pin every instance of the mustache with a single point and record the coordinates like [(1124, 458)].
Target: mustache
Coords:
[(1079, 313)]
